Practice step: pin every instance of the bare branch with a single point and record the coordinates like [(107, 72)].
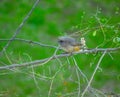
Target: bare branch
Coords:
[(19, 27), (37, 62), (97, 66), (30, 42)]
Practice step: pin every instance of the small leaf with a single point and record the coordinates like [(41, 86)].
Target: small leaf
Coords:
[(94, 33), (116, 40)]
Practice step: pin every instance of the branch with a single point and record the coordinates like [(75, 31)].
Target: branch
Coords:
[(19, 27), (38, 62), (97, 66), (30, 42)]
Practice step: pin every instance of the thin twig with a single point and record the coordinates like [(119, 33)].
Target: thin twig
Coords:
[(35, 80), (79, 89), (34, 76), (51, 84), (19, 27), (77, 73), (37, 62), (84, 76), (97, 66), (52, 80)]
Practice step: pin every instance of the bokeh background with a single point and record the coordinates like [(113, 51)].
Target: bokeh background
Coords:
[(98, 21)]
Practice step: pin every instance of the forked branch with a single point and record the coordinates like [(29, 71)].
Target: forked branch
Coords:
[(39, 62)]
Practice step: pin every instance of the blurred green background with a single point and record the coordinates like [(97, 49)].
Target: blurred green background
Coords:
[(96, 20)]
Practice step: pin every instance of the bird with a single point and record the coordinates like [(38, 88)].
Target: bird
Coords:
[(69, 44)]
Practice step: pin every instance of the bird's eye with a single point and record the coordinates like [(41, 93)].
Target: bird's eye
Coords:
[(60, 41)]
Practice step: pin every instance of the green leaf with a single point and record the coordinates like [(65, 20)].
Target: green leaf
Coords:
[(116, 40), (94, 33)]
